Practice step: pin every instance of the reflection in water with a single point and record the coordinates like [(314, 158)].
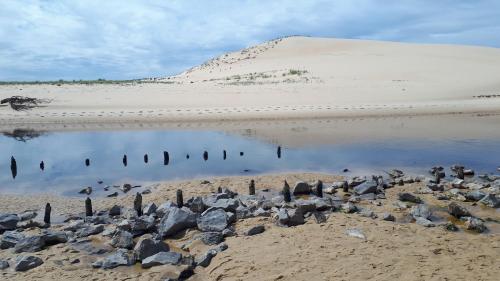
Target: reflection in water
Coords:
[(23, 135), (168, 158)]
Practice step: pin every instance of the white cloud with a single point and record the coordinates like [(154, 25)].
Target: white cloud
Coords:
[(129, 39)]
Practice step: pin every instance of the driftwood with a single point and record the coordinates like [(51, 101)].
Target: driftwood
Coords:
[(20, 103)]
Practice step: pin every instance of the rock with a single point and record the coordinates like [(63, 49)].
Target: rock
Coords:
[(349, 208), (260, 212), (476, 186), (424, 222), (258, 229), (319, 217), (90, 248), (114, 194), (421, 211), (290, 217), (221, 247), (115, 211), (126, 188), (395, 173), (25, 263), (366, 187), (356, 233), (305, 206), (177, 220), (10, 239), (147, 247), (87, 190), (196, 204), (388, 217), (74, 225), (475, 224), (450, 227), (490, 200), (458, 183), (210, 238), (458, 211), (435, 187), (3, 264), (165, 208), (213, 220), (146, 191), (408, 197), (8, 222), (369, 196), (161, 258), (90, 230), (301, 188), (30, 244), (205, 260), (122, 239), (367, 213), (54, 237), (27, 215), (475, 195), (356, 181), (120, 257), (228, 232), (149, 209), (228, 205), (142, 225), (468, 172)]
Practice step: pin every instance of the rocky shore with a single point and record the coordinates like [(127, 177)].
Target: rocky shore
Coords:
[(179, 239)]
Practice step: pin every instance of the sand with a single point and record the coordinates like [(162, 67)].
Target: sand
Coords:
[(296, 77), (392, 251)]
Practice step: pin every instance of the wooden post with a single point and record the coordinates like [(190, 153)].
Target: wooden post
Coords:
[(88, 207), (251, 188), (286, 193), (279, 152), (319, 189), (460, 173), (205, 155), (42, 166), (124, 160), (87, 162), (224, 153), (138, 204), (146, 159), (187, 156), (13, 166), (345, 187), (437, 177), (180, 199), (219, 189), (46, 217), (166, 158), (241, 153)]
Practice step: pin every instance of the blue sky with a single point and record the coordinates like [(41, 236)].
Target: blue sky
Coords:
[(69, 39)]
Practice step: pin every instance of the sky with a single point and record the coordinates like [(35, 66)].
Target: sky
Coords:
[(116, 39)]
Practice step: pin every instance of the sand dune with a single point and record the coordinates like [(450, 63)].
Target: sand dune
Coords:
[(296, 77)]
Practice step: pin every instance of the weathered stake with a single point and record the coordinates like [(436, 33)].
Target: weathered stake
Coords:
[(187, 156), (460, 173), (138, 204), (224, 154), (345, 187), (205, 156), (251, 188), (87, 162), (42, 166), (241, 153), (180, 199), (88, 207), (219, 189), (166, 158), (279, 152), (286, 193), (319, 189), (124, 160), (13, 167), (46, 217), (146, 159), (437, 177)]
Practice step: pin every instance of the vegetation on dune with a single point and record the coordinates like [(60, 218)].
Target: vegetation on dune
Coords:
[(75, 82)]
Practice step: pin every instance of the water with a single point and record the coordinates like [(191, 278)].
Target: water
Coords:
[(250, 150)]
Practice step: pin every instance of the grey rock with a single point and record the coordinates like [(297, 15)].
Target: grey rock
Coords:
[(349, 208), (435, 187), (258, 229), (490, 200), (319, 217), (165, 208), (458, 183), (388, 217), (149, 209), (87, 190), (213, 220), (260, 212), (458, 211), (27, 215), (88, 247), (366, 187), (450, 227), (370, 196), (211, 238), (147, 247), (475, 195), (221, 247), (178, 219), (357, 233), (142, 225), (146, 191), (8, 222), (119, 258), (161, 258), (115, 210), (229, 205), (25, 263), (232, 217), (228, 232), (356, 181), (408, 197), (305, 205), (90, 230), (290, 217), (113, 194), (122, 239), (424, 222), (301, 188), (367, 213), (4, 264), (475, 224), (124, 225), (205, 260), (30, 244), (243, 213), (54, 237), (74, 225), (420, 211), (10, 239), (196, 204)]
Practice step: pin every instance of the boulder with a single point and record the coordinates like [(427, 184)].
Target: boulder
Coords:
[(149, 209), (25, 263), (205, 260), (196, 204), (10, 239), (90, 230), (54, 237), (74, 225), (119, 258), (27, 215), (165, 208), (30, 244), (258, 229), (388, 217), (424, 222), (490, 200), (142, 225), (349, 208), (161, 258), (115, 210), (408, 197), (147, 247), (289, 217), (211, 238), (301, 188), (122, 239), (213, 220), (4, 264), (366, 187), (475, 224), (178, 219), (458, 211), (475, 195), (305, 206), (8, 222), (420, 211), (229, 204)]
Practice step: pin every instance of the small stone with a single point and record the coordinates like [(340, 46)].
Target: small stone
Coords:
[(450, 227), (126, 188), (457, 211), (122, 239), (25, 263), (388, 217), (475, 224), (421, 211), (301, 188), (147, 247), (119, 258), (213, 220), (10, 239), (408, 197), (319, 217), (490, 200), (424, 222), (205, 260), (114, 194), (255, 230), (149, 209), (161, 258), (349, 208), (356, 233), (211, 238), (3, 264)]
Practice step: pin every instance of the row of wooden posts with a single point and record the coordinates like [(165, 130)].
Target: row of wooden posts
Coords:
[(166, 160), (287, 197)]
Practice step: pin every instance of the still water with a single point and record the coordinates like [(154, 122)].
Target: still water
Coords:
[(249, 150)]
